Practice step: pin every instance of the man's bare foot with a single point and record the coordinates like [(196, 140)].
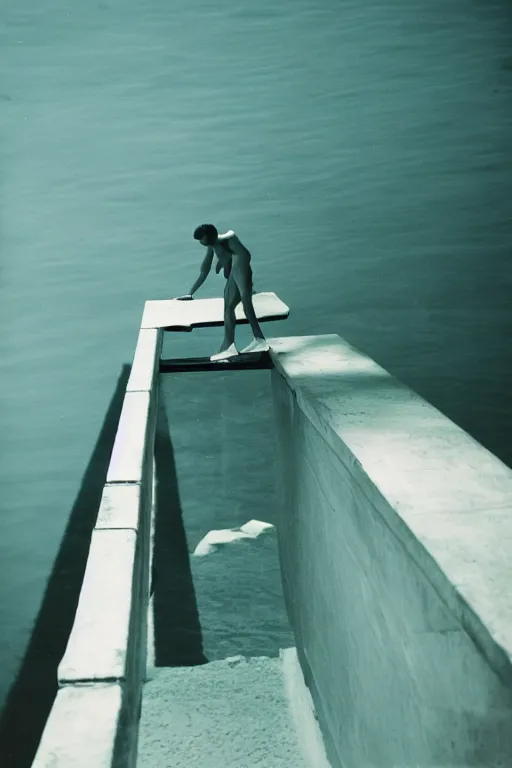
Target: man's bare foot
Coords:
[(224, 354), (257, 345)]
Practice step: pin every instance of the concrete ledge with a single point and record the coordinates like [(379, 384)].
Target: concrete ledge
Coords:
[(145, 361), (120, 508), (81, 730), (446, 497), (127, 460), (395, 536), (94, 720), (98, 645)]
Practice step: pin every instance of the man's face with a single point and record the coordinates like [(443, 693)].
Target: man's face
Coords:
[(204, 240)]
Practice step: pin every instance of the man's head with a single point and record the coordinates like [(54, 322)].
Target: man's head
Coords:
[(206, 234)]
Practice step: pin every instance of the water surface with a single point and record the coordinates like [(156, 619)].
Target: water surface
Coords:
[(361, 151)]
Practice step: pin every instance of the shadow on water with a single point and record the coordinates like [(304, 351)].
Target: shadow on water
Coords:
[(178, 637), (31, 697)]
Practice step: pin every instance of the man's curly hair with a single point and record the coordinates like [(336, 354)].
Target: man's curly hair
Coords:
[(208, 231)]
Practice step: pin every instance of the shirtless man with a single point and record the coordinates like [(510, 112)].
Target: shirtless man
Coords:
[(234, 258)]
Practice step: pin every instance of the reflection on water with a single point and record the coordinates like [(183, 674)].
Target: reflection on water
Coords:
[(362, 152)]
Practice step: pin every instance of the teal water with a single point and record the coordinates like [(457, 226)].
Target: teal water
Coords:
[(362, 152)]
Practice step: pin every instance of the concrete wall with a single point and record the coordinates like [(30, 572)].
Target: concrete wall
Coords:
[(94, 720), (395, 536)]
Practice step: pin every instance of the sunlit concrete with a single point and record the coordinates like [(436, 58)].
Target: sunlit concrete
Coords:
[(120, 507), (145, 361), (98, 645), (128, 454), (82, 727), (234, 713), (395, 533)]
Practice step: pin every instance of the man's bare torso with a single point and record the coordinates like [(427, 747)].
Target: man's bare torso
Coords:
[(227, 247)]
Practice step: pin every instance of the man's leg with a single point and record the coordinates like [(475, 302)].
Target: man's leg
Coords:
[(242, 274), (231, 299)]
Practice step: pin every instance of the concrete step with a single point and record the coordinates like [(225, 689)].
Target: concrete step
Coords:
[(235, 713)]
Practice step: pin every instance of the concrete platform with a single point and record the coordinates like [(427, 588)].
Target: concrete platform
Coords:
[(236, 713), (395, 534)]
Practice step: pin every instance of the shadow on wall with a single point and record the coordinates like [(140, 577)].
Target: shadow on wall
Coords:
[(178, 637), (31, 697)]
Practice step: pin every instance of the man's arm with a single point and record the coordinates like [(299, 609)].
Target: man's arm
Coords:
[(205, 270)]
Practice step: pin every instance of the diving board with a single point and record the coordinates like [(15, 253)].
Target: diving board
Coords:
[(175, 315)]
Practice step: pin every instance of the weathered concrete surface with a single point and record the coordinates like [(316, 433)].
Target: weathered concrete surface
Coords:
[(171, 313), (233, 713), (119, 508), (100, 639), (81, 731), (395, 535)]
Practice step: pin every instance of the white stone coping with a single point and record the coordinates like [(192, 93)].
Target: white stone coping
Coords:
[(127, 462), (446, 497), (98, 645), (170, 313), (119, 507), (94, 719), (145, 361), (81, 731)]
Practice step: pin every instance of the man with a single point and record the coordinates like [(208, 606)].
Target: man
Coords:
[(234, 258)]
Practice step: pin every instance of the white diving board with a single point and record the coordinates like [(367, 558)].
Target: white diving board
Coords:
[(175, 315)]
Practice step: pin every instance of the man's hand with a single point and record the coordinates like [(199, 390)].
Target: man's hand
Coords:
[(186, 297)]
